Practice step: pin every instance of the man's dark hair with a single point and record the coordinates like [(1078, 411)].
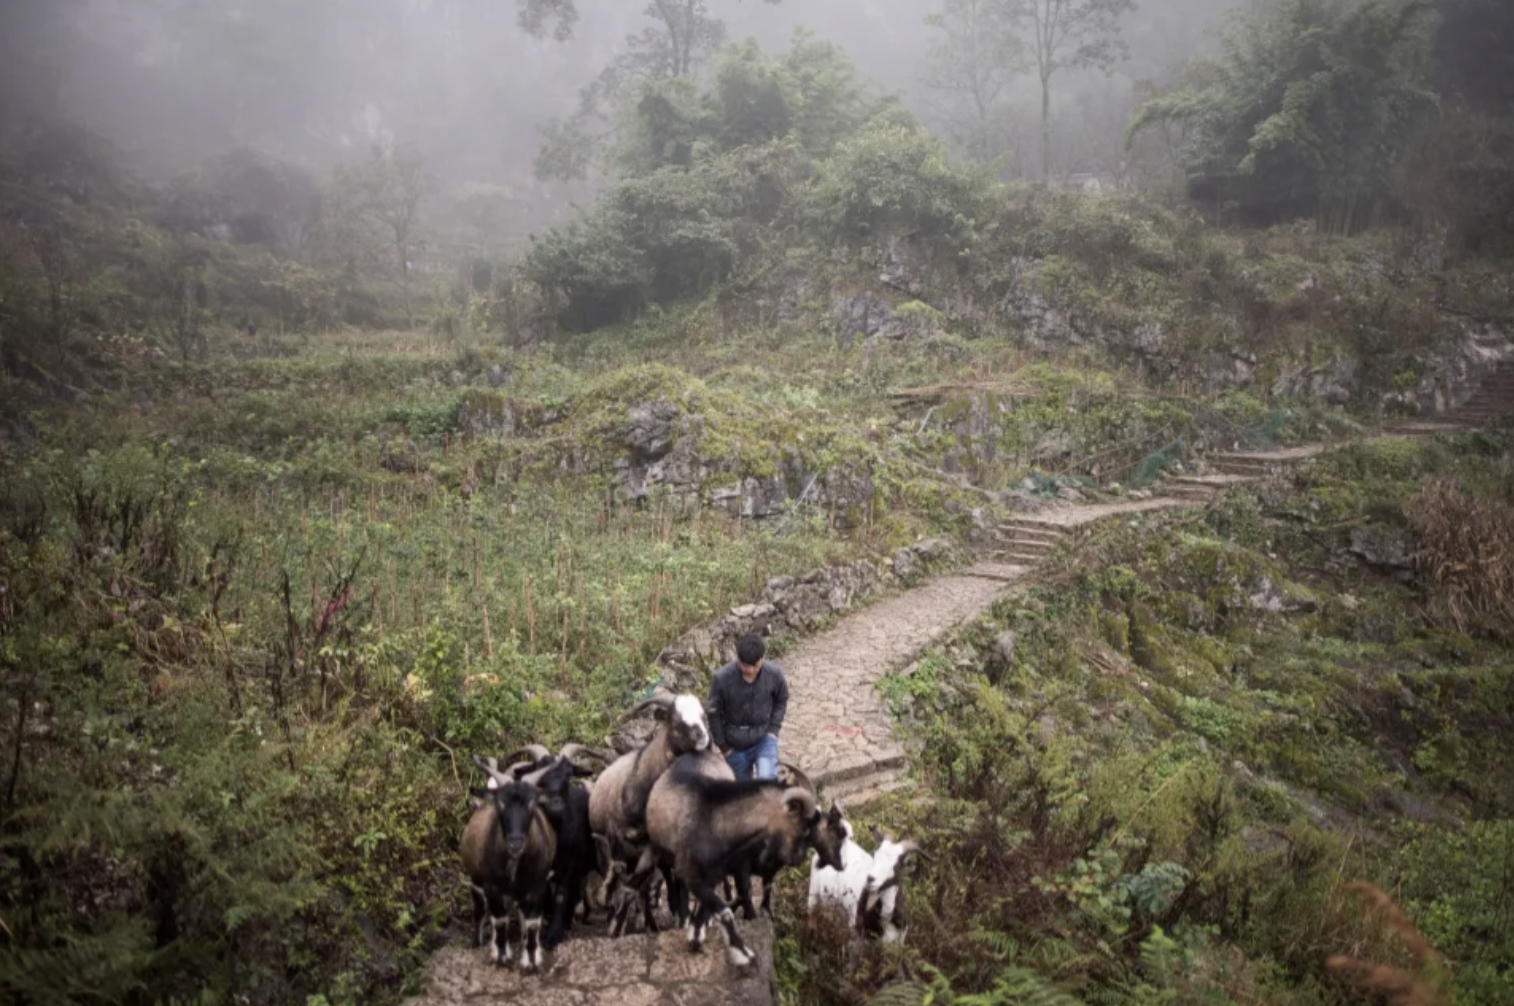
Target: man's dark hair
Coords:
[(749, 650)]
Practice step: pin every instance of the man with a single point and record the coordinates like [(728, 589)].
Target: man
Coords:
[(748, 699)]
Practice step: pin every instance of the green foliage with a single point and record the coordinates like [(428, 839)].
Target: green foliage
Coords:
[(892, 178), (715, 181), (1456, 886), (1308, 111), (1167, 830)]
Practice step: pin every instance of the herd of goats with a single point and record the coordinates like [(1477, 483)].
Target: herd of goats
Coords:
[(546, 842)]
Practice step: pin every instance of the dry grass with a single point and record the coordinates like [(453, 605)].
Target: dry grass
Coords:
[(1467, 553), (1426, 985)]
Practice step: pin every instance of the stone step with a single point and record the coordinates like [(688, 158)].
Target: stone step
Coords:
[(1044, 524), (856, 792), (1020, 558), (860, 767), (1003, 572), (1033, 533), (1031, 546), (1222, 463)]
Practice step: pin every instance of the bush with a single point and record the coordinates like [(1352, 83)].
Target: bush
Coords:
[(892, 178)]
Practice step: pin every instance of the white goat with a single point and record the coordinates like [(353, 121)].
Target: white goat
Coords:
[(868, 889), (843, 887)]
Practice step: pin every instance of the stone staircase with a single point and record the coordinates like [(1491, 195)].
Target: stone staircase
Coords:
[(1492, 402), (1028, 541)]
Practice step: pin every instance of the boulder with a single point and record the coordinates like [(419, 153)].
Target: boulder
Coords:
[(1382, 548), (1334, 383), (863, 315)]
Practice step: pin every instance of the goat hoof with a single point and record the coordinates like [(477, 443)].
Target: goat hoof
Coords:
[(748, 913), (740, 957)]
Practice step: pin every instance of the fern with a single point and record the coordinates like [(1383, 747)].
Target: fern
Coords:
[(901, 994), (1001, 946), (1019, 987)]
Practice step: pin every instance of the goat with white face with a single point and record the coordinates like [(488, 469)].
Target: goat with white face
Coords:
[(841, 887), (880, 904), (618, 805)]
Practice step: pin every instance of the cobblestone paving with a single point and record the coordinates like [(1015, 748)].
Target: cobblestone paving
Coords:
[(837, 726)]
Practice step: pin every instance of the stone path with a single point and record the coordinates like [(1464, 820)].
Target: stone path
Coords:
[(638, 970), (837, 729)]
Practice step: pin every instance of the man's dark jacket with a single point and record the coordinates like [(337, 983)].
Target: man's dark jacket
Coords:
[(742, 714)]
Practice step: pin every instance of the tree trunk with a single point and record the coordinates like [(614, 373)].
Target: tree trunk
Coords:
[(1046, 128)]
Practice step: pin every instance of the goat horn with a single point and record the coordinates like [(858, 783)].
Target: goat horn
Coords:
[(797, 776), (798, 799), (487, 767), (911, 847), (572, 751), (661, 701), (535, 752), (519, 769)]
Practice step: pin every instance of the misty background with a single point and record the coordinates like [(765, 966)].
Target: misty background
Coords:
[(173, 83)]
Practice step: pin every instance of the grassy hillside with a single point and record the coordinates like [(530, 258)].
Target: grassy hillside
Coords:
[(261, 596), (1155, 775)]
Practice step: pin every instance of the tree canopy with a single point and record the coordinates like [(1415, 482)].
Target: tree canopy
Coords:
[(1308, 109)]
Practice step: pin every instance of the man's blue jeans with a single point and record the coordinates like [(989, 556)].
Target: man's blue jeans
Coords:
[(763, 757)]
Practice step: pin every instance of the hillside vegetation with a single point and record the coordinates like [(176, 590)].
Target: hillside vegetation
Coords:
[(294, 521)]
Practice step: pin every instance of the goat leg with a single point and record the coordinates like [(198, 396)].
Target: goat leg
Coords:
[(480, 914), (710, 905), (531, 911), (642, 881), (678, 897), (499, 919), (744, 892), (768, 878), (564, 905)]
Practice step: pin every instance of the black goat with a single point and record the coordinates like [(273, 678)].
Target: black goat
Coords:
[(567, 808), (508, 849), (709, 829)]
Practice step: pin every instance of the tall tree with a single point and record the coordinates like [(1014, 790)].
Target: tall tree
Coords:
[(679, 39), (560, 16), (386, 192), (1309, 109), (1081, 34), (975, 51)]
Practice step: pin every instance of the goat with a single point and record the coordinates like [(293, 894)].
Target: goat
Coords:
[(567, 808), (766, 864), (507, 850), (709, 828), (880, 903), (617, 807), (842, 887)]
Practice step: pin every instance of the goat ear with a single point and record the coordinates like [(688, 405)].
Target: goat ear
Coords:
[(876, 832), (837, 814)]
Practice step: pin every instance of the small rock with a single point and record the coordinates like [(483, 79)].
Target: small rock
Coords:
[(779, 584), (932, 549), (1004, 646)]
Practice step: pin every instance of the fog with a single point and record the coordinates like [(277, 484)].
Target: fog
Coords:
[(318, 82)]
